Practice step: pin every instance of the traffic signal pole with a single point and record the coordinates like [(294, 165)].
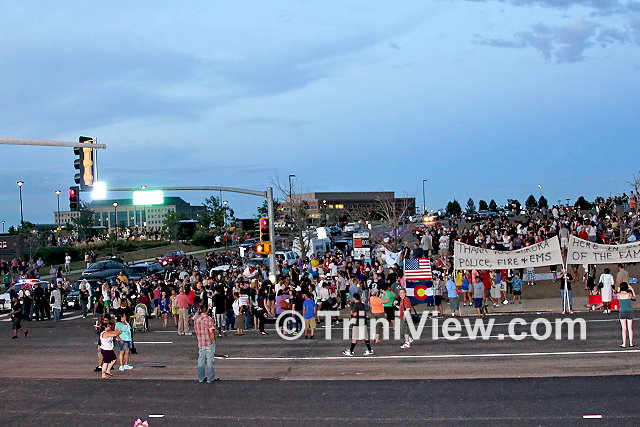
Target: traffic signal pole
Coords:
[(47, 143), (272, 233)]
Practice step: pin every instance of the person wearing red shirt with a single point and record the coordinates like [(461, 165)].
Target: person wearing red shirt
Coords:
[(405, 313), (183, 313)]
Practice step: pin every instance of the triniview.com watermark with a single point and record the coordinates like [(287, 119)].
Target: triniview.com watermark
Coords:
[(290, 325)]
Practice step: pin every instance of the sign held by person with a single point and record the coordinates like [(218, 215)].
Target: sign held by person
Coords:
[(585, 252), (467, 257)]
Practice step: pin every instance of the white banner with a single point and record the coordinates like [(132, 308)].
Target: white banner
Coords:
[(585, 252), (467, 257)]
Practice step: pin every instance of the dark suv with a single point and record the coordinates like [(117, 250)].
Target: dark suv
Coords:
[(102, 270), (144, 269)]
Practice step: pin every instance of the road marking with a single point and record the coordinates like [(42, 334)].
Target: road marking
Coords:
[(72, 317), (441, 356), (153, 342), (167, 332), (592, 417), (156, 415)]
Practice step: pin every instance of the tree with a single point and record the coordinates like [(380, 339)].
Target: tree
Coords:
[(219, 213), (297, 215), (483, 206), (514, 206), (542, 203), (493, 206), (263, 210), (83, 224), (582, 204), (531, 203), (471, 206), (392, 212), (453, 208), (12, 230), (171, 224)]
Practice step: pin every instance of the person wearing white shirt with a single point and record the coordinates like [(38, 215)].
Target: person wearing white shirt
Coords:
[(607, 281)]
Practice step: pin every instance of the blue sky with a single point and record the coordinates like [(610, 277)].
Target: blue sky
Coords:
[(485, 99)]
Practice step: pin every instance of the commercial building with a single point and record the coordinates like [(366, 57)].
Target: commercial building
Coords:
[(108, 213), (366, 201)]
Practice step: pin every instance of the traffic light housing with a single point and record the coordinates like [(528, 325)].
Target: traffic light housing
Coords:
[(74, 198), (85, 164), (264, 248), (264, 230)]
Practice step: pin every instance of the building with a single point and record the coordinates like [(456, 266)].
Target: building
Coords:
[(344, 202), (149, 217)]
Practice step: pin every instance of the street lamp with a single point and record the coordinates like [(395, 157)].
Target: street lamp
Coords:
[(290, 193), (20, 184), (224, 213), (58, 194), (424, 200), (115, 216), (540, 188), (2, 227)]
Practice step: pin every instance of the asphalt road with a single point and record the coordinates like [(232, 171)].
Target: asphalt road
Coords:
[(268, 380)]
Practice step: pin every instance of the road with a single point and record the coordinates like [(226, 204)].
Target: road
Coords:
[(267, 380)]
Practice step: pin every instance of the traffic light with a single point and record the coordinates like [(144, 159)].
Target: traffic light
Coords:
[(85, 163), (264, 248), (74, 198), (264, 230)]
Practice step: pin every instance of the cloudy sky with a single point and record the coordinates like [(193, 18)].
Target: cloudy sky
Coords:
[(485, 99)]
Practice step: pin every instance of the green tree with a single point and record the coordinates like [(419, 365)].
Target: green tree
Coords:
[(581, 203), (493, 206), (531, 203), (12, 230), (471, 206), (483, 206), (543, 203), (172, 224), (83, 224), (263, 210), (219, 212), (453, 208), (514, 206)]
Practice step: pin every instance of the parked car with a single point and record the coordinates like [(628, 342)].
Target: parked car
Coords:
[(172, 258), (102, 270), (351, 227), (335, 230), (257, 262), (249, 243), (144, 269), (289, 257)]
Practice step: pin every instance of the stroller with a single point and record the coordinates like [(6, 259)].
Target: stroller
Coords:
[(140, 315)]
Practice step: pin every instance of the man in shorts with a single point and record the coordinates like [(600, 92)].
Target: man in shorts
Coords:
[(16, 318), (452, 293), (309, 313), (359, 330)]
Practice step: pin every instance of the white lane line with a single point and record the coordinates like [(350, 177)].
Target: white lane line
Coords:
[(72, 317), (167, 332), (442, 356), (156, 415), (592, 417), (153, 342)]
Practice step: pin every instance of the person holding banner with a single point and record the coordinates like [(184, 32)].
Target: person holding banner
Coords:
[(625, 296), (565, 291)]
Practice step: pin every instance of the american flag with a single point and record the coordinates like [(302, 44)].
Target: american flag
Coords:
[(417, 269)]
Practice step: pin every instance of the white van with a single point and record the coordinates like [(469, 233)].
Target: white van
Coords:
[(289, 257)]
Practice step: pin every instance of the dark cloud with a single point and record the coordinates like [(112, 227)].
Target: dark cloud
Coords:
[(562, 43)]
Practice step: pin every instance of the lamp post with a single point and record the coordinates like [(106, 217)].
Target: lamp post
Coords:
[(224, 213), (290, 194), (20, 184), (2, 227), (424, 200), (540, 188), (58, 195), (115, 216)]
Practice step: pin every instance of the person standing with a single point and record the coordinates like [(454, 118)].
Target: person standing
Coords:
[(16, 318), (219, 301), (622, 276), (309, 313), (67, 263), (377, 312), (625, 296), (478, 295), (452, 293), (565, 292), (359, 330), (404, 307), (516, 284), (238, 312), (183, 313), (39, 300), (164, 306), (84, 298), (205, 329), (56, 302), (606, 284), (124, 342), (106, 349)]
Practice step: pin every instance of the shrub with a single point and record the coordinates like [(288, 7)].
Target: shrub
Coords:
[(203, 238), (55, 254)]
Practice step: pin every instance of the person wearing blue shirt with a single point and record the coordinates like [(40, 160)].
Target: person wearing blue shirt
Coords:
[(124, 342), (517, 288), (309, 313), (452, 293)]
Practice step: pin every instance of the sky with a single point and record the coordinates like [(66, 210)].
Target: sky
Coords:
[(484, 99)]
